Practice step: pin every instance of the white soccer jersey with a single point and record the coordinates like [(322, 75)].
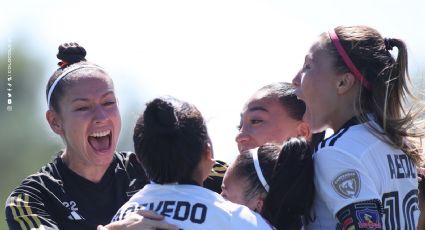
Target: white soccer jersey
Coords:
[(352, 166), (192, 207)]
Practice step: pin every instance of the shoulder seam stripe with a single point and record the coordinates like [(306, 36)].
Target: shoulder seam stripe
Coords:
[(332, 143), (220, 168), (22, 213), (216, 174), (323, 143), (28, 208), (17, 218), (25, 215)]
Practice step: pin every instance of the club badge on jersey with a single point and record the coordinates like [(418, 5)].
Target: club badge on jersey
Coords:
[(347, 184), (368, 219)]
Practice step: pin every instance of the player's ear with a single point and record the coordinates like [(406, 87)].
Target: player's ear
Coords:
[(259, 201), (210, 154), (303, 130), (345, 82), (54, 121), (206, 164)]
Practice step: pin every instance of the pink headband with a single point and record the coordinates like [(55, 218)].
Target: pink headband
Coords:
[(335, 40)]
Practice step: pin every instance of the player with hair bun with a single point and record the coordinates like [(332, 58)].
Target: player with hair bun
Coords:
[(88, 181), (172, 143)]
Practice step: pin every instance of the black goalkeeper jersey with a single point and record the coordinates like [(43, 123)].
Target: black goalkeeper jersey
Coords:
[(58, 198), (215, 179)]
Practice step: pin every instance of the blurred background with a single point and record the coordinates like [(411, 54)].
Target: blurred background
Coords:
[(214, 54)]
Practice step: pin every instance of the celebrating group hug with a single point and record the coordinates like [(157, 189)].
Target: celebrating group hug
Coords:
[(287, 175)]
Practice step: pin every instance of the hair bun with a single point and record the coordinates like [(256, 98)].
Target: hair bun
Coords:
[(160, 118), (70, 53)]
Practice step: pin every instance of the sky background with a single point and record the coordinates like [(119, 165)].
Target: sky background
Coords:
[(214, 54)]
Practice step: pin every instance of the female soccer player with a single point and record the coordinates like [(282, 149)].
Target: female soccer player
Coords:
[(272, 115), (365, 175), (275, 181), (172, 143), (88, 181)]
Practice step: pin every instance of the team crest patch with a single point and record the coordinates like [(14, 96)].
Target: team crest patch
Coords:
[(347, 184), (368, 219)]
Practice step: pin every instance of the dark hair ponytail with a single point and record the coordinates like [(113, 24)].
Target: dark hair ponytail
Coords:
[(243, 168), (160, 117), (169, 139), (292, 187)]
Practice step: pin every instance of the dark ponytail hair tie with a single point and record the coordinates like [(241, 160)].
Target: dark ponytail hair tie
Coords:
[(388, 43)]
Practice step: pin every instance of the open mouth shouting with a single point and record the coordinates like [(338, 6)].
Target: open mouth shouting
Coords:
[(101, 141)]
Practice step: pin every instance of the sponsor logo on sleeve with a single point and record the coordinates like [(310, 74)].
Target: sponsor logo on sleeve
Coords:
[(347, 184)]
